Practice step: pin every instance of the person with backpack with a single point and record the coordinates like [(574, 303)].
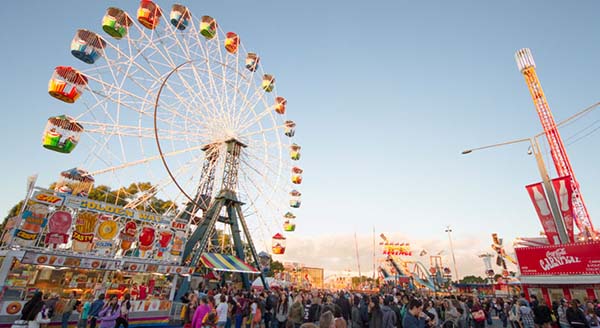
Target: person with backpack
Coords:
[(109, 313), (125, 308)]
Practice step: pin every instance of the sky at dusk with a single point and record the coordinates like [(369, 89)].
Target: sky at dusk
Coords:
[(386, 95)]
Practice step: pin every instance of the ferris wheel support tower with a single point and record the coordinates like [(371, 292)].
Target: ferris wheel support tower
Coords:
[(557, 149)]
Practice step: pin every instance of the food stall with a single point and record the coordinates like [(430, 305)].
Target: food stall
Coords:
[(570, 271), (63, 242)]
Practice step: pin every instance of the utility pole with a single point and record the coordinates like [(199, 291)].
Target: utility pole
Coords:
[(449, 231)]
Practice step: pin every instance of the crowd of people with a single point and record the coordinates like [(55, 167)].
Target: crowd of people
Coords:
[(228, 308), (101, 312), (225, 308)]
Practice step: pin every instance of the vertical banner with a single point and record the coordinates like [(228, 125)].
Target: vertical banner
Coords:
[(564, 194), (540, 202)]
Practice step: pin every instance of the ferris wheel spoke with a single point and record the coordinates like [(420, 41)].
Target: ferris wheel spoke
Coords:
[(136, 131), (137, 101), (145, 160)]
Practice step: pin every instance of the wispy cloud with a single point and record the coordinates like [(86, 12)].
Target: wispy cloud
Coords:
[(336, 253)]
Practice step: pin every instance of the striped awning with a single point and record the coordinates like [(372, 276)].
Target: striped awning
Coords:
[(225, 262)]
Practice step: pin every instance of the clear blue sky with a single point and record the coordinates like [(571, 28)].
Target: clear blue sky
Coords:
[(386, 95)]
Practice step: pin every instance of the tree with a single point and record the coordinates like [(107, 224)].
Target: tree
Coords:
[(141, 193), (276, 266), (472, 280)]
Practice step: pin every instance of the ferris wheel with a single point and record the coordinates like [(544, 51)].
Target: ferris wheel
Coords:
[(171, 98)]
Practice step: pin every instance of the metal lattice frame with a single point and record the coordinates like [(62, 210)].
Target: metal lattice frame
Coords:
[(207, 97)]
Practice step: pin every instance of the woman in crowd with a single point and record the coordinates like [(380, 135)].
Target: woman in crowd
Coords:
[(109, 313), (282, 309)]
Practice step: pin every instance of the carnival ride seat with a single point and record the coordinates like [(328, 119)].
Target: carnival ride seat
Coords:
[(280, 104), (268, 83), (232, 42), (66, 84), (116, 22), (208, 27), (87, 46), (180, 17), (252, 61), (149, 14)]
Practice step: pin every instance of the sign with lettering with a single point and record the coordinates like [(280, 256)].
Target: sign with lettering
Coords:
[(565, 259), (105, 208), (47, 198)]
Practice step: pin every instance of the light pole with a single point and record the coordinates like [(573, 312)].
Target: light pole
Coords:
[(449, 231), (535, 149)]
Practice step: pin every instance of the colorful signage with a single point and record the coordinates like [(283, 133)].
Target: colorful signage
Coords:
[(565, 259), (564, 195), (69, 261), (540, 202), (105, 208), (48, 198)]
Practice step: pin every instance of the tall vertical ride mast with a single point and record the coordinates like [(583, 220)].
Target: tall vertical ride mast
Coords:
[(557, 149)]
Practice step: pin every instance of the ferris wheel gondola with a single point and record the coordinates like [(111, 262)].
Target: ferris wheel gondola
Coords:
[(161, 98)]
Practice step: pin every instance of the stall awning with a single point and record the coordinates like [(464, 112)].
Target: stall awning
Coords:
[(224, 262)]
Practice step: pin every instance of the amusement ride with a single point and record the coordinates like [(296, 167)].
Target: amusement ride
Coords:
[(169, 97)]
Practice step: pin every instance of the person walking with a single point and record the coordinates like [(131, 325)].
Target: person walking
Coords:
[(526, 315), (561, 312), (282, 311), (69, 308), (109, 313), (32, 307), (201, 312), (575, 316), (85, 311), (543, 314), (388, 315), (222, 310), (592, 318), (296, 312), (356, 322), (451, 314), (414, 318), (125, 308), (95, 308), (375, 315)]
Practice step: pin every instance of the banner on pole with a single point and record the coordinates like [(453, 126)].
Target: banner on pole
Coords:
[(564, 195), (542, 207)]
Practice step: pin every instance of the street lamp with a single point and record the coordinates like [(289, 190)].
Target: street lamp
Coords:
[(535, 149), (449, 231)]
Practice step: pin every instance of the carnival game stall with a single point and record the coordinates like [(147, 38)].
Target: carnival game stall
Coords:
[(63, 242)]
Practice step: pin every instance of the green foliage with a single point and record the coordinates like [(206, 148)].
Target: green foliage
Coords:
[(359, 280), (120, 196), (472, 280), (276, 266)]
